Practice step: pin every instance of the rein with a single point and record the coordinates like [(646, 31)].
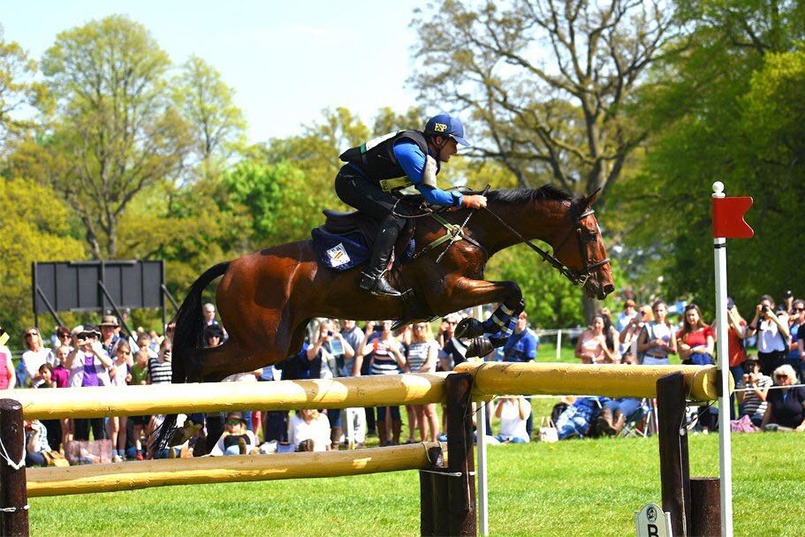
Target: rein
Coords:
[(576, 279), (455, 232)]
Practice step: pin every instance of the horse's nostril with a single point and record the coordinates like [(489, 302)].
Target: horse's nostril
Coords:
[(608, 288)]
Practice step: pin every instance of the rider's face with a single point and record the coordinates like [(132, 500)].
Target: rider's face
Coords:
[(448, 149)]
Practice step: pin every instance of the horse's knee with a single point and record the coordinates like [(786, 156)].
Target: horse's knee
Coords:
[(469, 328), (479, 346), (513, 304), (512, 293)]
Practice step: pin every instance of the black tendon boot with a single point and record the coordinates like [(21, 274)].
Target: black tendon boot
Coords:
[(373, 280)]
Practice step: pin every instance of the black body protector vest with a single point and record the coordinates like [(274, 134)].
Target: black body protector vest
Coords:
[(375, 159)]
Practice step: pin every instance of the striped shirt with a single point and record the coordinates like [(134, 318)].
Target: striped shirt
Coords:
[(418, 355), (751, 404), (383, 361), (159, 372)]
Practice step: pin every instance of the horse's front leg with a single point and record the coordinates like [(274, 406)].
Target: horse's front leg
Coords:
[(500, 324)]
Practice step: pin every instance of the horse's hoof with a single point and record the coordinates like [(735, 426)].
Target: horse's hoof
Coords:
[(478, 346), (469, 328)]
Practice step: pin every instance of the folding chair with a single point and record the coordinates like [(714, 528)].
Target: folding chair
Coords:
[(643, 422)]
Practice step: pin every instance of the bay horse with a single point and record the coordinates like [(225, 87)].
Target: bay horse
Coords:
[(266, 299)]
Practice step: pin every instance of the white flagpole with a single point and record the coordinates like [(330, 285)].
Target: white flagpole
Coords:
[(724, 414), (483, 488), (480, 434)]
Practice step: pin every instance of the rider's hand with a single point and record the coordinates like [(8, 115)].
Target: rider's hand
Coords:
[(474, 201)]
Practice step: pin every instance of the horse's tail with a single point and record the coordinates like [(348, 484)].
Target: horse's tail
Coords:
[(189, 331), (188, 335)]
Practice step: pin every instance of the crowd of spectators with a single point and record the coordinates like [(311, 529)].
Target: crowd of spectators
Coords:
[(765, 357)]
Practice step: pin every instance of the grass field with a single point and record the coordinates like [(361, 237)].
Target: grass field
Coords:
[(588, 487)]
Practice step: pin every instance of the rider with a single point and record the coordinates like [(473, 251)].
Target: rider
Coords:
[(377, 168)]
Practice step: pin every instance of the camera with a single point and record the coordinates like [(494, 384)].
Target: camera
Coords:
[(764, 309), (329, 332), (378, 328)]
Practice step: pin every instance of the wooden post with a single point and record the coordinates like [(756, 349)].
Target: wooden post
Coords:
[(705, 493), (460, 461), (674, 458), (13, 493), (426, 510), (429, 511)]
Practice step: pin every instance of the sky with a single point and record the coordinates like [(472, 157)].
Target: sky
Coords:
[(286, 61)]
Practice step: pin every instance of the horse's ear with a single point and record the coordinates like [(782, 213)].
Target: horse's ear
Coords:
[(591, 198)]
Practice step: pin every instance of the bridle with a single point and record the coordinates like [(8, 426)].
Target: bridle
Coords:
[(576, 278)]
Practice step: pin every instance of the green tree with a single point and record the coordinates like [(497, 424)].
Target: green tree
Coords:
[(115, 121), (207, 103), (20, 94), (725, 111), (314, 153), (191, 227), (282, 210), (35, 224), (547, 83)]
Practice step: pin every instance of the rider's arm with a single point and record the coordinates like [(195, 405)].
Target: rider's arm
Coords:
[(412, 161)]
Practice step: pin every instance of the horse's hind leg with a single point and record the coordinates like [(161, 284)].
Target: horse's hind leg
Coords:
[(233, 356), (213, 364)]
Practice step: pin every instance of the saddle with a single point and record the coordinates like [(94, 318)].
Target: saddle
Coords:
[(346, 239)]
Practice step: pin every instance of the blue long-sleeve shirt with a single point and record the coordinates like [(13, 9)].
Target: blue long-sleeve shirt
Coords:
[(411, 159)]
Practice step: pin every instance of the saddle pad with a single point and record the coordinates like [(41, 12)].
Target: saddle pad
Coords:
[(340, 252)]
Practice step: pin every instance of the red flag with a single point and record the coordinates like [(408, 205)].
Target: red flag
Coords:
[(728, 218)]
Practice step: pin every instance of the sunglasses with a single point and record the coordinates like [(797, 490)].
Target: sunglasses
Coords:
[(798, 309), (233, 422), (33, 333), (419, 327), (781, 376)]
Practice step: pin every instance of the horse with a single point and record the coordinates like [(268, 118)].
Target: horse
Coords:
[(266, 299)]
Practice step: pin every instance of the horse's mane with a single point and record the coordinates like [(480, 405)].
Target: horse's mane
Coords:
[(524, 195), (516, 196)]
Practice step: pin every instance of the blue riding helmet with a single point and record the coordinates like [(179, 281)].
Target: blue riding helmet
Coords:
[(444, 125)]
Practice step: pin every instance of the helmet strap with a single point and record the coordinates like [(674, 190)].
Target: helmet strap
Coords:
[(438, 146)]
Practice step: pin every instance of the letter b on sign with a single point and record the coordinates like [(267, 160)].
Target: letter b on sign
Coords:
[(652, 521)]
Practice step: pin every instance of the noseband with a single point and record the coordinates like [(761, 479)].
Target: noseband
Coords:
[(576, 278), (581, 277)]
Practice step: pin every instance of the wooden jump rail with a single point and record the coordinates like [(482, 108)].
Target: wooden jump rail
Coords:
[(447, 494), (490, 378), (91, 478)]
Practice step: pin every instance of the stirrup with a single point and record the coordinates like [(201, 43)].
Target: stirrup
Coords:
[(378, 286)]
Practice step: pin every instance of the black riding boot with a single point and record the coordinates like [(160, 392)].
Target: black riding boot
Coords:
[(373, 280)]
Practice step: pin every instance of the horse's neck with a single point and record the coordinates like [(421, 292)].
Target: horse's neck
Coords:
[(541, 221)]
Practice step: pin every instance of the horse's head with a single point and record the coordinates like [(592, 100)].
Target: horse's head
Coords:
[(583, 252)]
